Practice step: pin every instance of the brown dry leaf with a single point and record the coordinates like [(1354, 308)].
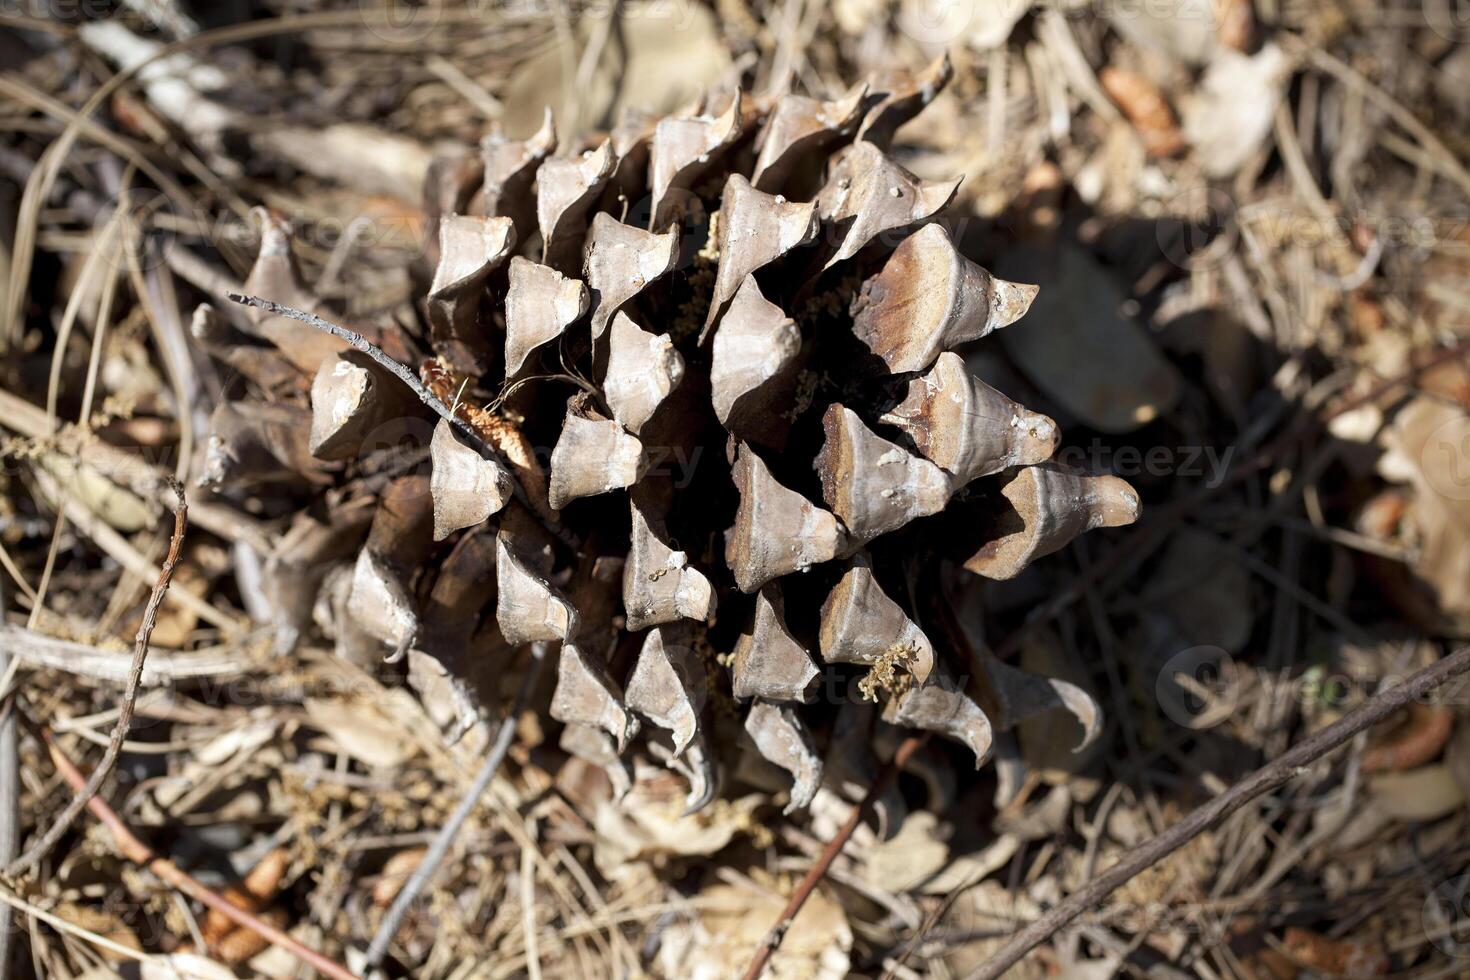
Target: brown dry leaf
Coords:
[(1076, 346), (1426, 448), (1048, 739), (1146, 108), (367, 159), (731, 921), (911, 856), (1203, 591), (362, 729), (121, 508), (102, 921), (650, 824), (1422, 794), (988, 909)]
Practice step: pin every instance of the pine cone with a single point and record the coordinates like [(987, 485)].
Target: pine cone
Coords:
[(735, 325)]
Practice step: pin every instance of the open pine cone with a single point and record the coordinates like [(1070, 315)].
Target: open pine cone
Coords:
[(735, 327)]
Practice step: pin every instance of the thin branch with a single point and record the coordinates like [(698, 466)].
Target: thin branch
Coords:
[(906, 750), (140, 853), (380, 357), (9, 796), (402, 373), (33, 857), (1263, 780), (439, 849), (164, 666)]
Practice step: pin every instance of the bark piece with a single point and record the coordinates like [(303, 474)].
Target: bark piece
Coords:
[(777, 531), (801, 129), (928, 298), (868, 195), (769, 662), (1091, 360), (528, 608), (350, 397), (862, 625), (540, 305), (586, 695), (874, 486), (659, 584), (901, 96), (669, 684), (510, 169), (1054, 504), (566, 190), (594, 455), (642, 369), (755, 228), (620, 261), (466, 486), (685, 148), (941, 705), (966, 427), (782, 739), (755, 362), (470, 248)]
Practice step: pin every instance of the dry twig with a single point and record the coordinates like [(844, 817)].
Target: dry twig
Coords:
[(439, 849), (1278, 772), (31, 858), (906, 750), (140, 853), (402, 373), (9, 794), (361, 343)]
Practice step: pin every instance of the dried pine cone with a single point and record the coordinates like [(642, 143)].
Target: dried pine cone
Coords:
[(735, 326)]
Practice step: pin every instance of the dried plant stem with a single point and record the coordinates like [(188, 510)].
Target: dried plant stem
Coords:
[(33, 857), (361, 343), (9, 797), (140, 853), (772, 940), (439, 849), (82, 660), (1263, 780)]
